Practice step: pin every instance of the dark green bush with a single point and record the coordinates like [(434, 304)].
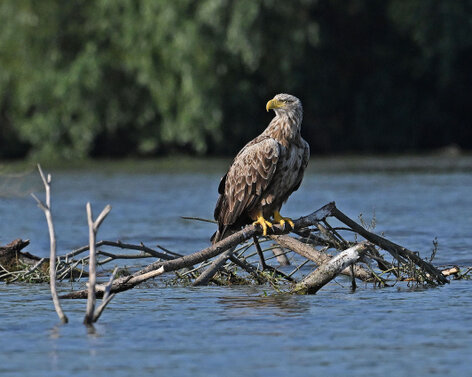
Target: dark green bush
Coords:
[(147, 77)]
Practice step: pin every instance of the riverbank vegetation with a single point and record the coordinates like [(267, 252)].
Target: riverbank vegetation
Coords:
[(148, 78)]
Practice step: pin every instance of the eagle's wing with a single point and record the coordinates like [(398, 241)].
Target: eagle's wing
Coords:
[(247, 178), (305, 159)]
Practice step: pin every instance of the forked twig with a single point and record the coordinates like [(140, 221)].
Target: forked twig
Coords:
[(93, 229), (107, 297), (52, 241)]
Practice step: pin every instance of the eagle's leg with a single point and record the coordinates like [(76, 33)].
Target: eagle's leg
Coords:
[(263, 223), (282, 220)]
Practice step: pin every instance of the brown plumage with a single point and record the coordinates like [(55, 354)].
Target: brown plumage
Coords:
[(265, 172)]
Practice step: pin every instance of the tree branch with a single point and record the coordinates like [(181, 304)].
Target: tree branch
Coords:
[(52, 242), (313, 282), (91, 297), (309, 252), (395, 250), (158, 268)]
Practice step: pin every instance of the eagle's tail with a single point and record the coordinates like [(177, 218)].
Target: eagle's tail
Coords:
[(215, 237), (222, 232)]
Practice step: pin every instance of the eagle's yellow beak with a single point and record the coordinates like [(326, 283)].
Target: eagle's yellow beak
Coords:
[(274, 104)]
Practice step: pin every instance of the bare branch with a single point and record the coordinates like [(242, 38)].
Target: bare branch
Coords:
[(318, 257), (40, 203), (206, 275), (107, 297), (52, 240), (158, 268), (198, 219), (395, 250), (88, 319), (101, 217), (328, 271), (91, 315), (123, 245)]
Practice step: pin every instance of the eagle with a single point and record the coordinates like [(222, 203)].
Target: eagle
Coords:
[(264, 173)]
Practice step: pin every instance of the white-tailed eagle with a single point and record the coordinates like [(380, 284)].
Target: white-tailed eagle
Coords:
[(265, 172)]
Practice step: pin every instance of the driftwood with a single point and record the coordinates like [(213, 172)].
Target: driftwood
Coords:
[(281, 256), (160, 267), (319, 257), (18, 265), (329, 270), (429, 273), (206, 276), (335, 255), (397, 251)]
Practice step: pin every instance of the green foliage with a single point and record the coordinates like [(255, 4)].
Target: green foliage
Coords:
[(144, 77)]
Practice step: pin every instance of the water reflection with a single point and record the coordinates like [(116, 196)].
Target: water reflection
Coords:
[(280, 304)]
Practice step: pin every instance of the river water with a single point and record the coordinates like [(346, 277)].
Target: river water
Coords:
[(240, 330)]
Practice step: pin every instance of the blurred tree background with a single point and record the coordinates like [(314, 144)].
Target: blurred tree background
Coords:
[(116, 78)]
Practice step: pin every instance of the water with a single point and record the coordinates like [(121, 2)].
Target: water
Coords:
[(234, 331)]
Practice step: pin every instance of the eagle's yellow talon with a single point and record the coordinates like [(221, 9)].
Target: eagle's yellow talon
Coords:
[(263, 223), (282, 220)]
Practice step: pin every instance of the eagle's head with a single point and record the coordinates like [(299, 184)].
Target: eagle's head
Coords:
[(288, 107), (284, 103)]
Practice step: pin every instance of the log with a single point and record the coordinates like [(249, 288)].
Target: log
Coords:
[(11, 255), (313, 282), (279, 254), (13, 261), (451, 271), (320, 258)]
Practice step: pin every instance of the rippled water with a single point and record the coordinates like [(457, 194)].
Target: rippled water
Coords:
[(234, 331)]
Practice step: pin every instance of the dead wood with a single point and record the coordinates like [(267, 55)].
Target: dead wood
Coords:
[(12, 258), (397, 251), (91, 315), (451, 271), (206, 275), (281, 257), (122, 245), (314, 228), (313, 282), (46, 207), (258, 276), (319, 257), (401, 254), (107, 297), (16, 264), (158, 268)]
